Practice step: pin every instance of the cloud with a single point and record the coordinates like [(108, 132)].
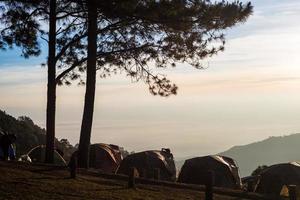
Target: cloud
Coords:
[(270, 16), (249, 92), (22, 75)]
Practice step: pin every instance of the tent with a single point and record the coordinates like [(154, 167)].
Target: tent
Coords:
[(37, 155), (147, 162), (195, 170), (274, 178), (105, 157)]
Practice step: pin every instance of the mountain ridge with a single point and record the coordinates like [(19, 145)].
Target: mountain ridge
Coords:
[(273, 150), (269, 151)]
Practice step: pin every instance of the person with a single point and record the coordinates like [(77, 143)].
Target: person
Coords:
[(7, 151), (11, 152)]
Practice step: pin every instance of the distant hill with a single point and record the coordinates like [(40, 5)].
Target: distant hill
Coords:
[(267, 152), (29, 135)]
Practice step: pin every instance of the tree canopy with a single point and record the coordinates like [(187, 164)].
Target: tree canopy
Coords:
[(129, 36), (135, 35)]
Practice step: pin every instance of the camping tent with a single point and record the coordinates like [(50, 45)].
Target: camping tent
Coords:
[(275, 177), (37, 154), (147, 162), (105, 157), (195, 170)]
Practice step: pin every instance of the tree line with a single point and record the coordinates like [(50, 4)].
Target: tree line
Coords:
[(86, 37), (30, 135)]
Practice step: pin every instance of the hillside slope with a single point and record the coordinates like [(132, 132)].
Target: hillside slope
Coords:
[(270, 151), (21, 181), (29, 135)]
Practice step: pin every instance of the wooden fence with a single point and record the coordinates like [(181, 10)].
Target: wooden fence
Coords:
[(209, 190)]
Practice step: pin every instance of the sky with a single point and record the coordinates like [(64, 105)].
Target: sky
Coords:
[(246, 94)]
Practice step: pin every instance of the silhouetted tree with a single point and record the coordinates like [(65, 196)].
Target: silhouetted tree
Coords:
[(87, 119), (51, 87), (23, 23), (131, 34), (30, 135)]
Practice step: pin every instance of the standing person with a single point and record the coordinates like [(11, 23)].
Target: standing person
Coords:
[(11, 152), (6, 148)]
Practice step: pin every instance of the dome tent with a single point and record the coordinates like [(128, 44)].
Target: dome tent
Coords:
[(37, 154), (105, 157), (147, 161), (195, 170), (274, 178)]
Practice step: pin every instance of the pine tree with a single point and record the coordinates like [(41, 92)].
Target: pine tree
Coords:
[(131, 34), (23, 23)]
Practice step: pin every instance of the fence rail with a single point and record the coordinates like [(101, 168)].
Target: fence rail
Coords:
[(201, 188)]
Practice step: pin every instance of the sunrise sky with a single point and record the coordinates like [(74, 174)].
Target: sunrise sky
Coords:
[(248, 93)]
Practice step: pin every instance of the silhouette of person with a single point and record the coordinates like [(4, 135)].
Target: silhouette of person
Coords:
[(6, 148)]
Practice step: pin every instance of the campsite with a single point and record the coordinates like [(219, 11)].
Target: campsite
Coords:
[(149, 99), (31, 179), (155, 175)]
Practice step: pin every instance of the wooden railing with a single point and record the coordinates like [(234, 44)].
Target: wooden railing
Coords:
[(209, 190)]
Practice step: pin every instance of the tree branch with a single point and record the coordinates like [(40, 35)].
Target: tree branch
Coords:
[(77, 39), (74, 65)]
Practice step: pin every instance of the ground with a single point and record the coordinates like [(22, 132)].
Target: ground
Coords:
[(24, 181)]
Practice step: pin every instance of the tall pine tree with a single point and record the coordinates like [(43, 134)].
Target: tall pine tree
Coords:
[(131, 34), (25, 23)]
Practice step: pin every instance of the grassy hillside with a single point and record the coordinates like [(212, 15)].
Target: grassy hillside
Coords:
[(29, 135), (267, 152), (35, 182)]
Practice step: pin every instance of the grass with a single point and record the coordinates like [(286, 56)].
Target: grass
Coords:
[(35, 182)]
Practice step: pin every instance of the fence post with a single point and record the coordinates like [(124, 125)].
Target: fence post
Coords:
[(292, 192), (156, 174), (210, 181), (131, 179), (73, 166)]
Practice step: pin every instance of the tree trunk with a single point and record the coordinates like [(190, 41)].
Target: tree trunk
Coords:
[(87, 119), (51, 89)]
